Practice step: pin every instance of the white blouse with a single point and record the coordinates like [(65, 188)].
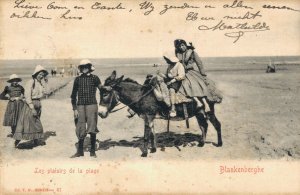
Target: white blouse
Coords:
[(35, 90), (177, 72)]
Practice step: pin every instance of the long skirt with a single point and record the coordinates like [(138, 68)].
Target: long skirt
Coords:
[(196, 85), (12, 113), (29, 127)]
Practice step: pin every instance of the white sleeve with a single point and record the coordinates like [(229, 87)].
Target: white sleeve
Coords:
[(28, 91), (181, 72)]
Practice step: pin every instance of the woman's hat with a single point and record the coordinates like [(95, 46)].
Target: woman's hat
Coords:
[(178, 42), (14, 78), (39, 69), (171, 59)]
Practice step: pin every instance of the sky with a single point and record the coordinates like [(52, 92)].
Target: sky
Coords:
[(124, 34)]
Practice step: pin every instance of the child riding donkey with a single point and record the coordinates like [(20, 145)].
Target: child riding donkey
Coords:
[(174, 76)]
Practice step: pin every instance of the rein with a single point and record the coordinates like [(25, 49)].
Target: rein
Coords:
[(148, 92)]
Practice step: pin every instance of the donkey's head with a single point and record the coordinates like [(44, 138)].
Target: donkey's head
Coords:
[(109, 95)]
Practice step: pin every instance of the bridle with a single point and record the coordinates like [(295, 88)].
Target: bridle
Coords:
[(134, 102)]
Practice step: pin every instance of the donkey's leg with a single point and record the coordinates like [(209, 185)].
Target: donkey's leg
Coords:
[(215, 122), (203, 126), (147, 130), (152, 133)]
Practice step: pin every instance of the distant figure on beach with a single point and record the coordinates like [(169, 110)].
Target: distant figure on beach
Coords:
[(62, 72), (271, 68), (196, 85), (15, 104), (85, 107), (52, 73), (75, 71), (55, 71), (29, 126)]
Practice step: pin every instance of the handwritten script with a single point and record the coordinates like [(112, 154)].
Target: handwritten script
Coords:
[(244, 18)]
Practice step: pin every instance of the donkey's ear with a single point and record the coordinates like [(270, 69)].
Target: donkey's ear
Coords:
[(113, 75), (120, 79)]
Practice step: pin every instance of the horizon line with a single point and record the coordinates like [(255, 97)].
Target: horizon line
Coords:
[(148, 57)]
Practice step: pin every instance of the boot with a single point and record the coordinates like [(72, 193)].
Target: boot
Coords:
[(79, 149), (16, 143), (93, 146), (36, 142)]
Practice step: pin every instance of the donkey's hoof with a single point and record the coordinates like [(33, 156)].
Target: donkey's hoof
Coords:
[(144, 154), (153, 150), (218, 144), (201, 144)]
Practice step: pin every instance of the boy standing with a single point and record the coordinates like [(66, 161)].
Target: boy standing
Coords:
[(83, 99)]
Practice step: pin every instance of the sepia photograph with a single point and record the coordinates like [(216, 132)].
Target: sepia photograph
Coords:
[(149, 97)]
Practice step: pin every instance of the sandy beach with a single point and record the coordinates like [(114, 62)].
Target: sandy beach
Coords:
[(258, 116), (260, 129)]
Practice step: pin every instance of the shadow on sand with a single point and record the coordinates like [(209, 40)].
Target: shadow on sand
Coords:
[(164, 140), (27, 145)]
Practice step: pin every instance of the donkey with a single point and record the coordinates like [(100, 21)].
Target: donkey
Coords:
[(144, 103)]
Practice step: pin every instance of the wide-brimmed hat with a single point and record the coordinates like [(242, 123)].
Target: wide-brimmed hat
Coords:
[(86, 62), (39, 69), (14, 78), (171, 59)]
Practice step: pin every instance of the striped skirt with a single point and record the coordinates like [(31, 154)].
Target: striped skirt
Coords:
[(29, 127), (196, 85), (12, 112)]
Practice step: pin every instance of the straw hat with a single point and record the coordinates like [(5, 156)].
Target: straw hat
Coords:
[(14, 78), (86, 62), (39, 69)]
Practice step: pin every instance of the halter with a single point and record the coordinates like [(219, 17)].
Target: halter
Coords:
[(111, 99), (134, 102)]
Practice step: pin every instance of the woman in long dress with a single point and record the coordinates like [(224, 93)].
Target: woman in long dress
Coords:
[(196, 84), (15, 104), (29, 126)]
